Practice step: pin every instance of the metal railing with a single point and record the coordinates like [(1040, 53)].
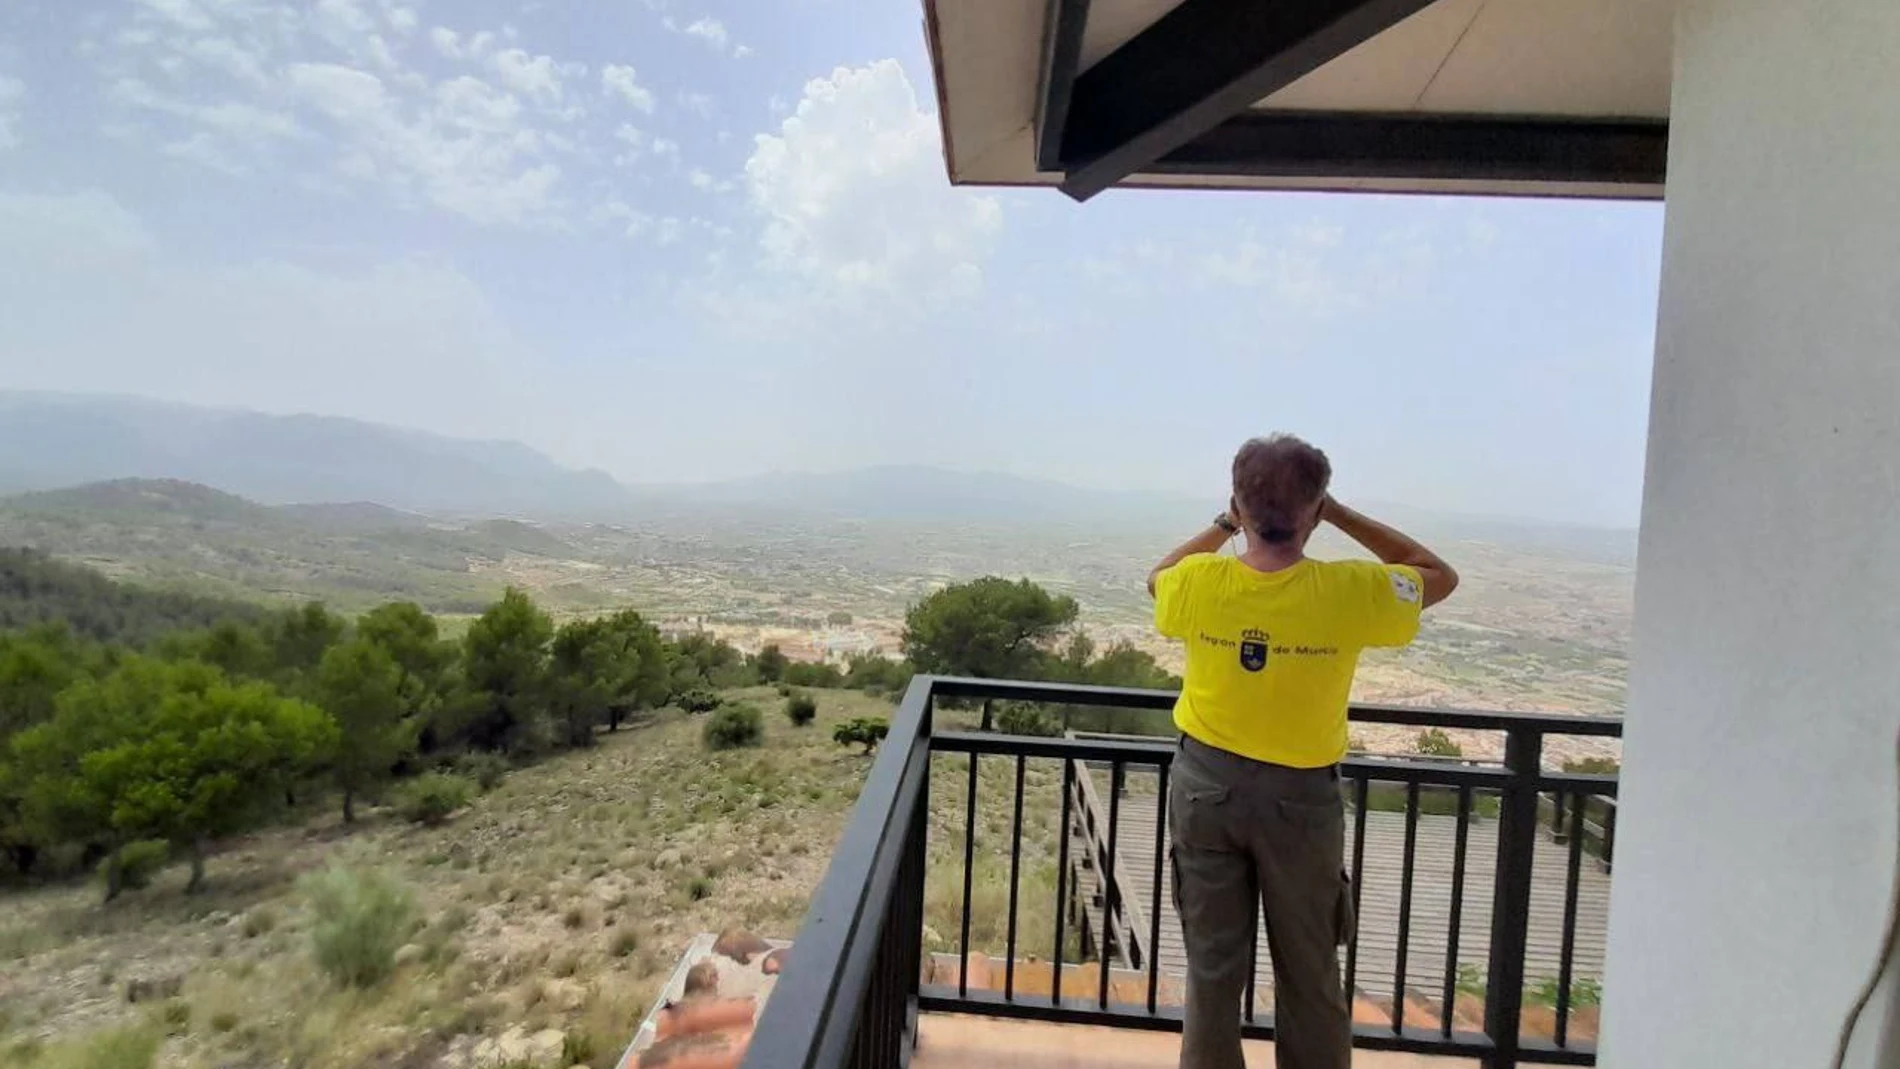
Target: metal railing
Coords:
[(856, 980)]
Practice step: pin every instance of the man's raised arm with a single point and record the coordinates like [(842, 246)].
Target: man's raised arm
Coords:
[(1393, 547)]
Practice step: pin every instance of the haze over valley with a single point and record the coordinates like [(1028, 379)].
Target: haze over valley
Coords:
[(285, 508)]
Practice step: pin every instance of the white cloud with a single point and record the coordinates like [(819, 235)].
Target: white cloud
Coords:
[(707, 29), (225, 54), (536, 77), (465, 150), (621, 81), (635, 141), (403, 20), (338, 91), (700, 104), (710, 30), (486, 141), (665, 147), (700, 179), (632, 221), (183, 13), (12, 96), (446, 41), (743, 51), (852, 192)]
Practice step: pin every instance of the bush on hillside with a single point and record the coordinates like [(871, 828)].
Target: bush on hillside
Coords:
[(486, 769), (698, 700), (734, 726), (138, 863), (361, 918), (865, 731), (801, 709), (432, 796), (811, 674), (1593, 766), (1027, 718), (1433, 742)]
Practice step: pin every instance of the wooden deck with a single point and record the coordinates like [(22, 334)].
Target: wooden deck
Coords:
[(955, 1042), (1379, 900)]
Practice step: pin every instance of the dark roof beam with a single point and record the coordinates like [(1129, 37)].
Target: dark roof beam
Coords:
[(1197, 66), (1063, 23), (1484, 148)]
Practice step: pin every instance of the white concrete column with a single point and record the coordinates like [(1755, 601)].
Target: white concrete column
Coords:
[(1757, 841)]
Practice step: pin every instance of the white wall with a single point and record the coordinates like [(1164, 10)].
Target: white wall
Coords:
[(1757, 845)]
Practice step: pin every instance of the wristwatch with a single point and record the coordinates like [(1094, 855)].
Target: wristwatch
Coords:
[(1226, 524)]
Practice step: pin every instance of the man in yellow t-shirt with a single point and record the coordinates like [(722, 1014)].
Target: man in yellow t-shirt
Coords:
[(1273, 638)]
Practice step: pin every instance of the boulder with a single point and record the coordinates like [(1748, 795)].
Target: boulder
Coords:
[(517, 1047)]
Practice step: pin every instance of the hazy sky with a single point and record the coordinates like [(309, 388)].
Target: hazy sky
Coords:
[(688, 239)]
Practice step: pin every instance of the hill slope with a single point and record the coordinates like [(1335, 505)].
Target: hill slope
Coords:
[(182, 534), (52, 440), (35, 589)]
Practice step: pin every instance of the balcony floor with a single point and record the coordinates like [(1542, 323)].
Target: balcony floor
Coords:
[(952, 1041)]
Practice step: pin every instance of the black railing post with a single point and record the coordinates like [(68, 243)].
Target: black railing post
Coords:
[(1511, 895)]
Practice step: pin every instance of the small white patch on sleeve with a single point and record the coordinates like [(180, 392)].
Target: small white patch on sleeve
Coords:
[(1403, 587)]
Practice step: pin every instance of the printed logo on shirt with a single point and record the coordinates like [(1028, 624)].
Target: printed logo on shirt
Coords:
[(1403, 587), (1253, 649)]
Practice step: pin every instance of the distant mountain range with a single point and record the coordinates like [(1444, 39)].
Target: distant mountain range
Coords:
[(50, 441), (55, 440), (372, 477)]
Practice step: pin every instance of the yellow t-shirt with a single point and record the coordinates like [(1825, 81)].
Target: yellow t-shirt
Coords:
[(1271, 655)]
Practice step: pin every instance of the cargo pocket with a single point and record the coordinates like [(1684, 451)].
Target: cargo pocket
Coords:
[(1193, 803), (1345, 918)]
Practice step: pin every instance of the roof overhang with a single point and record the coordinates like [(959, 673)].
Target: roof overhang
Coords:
[(1510, 97)]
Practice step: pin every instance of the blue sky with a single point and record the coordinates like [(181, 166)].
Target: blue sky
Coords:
[(695, 239)]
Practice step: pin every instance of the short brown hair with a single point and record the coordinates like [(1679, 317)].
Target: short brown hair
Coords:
[(1277, 481)]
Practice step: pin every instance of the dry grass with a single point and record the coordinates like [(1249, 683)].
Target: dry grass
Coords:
[(559, 900)]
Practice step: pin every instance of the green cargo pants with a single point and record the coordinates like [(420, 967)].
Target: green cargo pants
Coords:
[(1247, 835)]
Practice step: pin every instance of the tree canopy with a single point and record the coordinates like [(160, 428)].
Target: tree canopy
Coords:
[(504, 665), (989, 627), (166, 750), (360, 685)]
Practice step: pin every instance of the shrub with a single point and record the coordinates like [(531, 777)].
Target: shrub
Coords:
[(801, 709), (1027, 718), (813, 674), (432, 796), (1433, 742), (699, 888), (698, 700), (786, 690), (486, 769), (137, 863), (577, 1048), (865, 731), (224, 1021), (361, 918), (258, 921), (176, 1016), (1593, 766), (733, 727), (124, 1048), (625, 943)]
